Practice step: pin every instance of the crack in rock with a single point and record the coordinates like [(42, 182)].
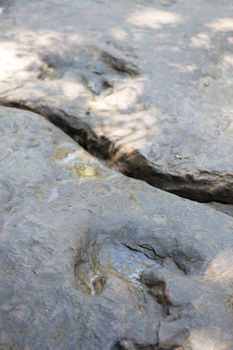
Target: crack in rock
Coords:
[(187, 261), (101, 72), (152, 115), (127, 344), (129, 162)]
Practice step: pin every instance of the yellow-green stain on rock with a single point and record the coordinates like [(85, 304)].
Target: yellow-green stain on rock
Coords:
[(62, 153), (86, 170)]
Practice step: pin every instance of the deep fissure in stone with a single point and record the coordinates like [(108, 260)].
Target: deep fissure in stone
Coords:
[(130, 163)]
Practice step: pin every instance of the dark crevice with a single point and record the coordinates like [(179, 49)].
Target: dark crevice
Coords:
[(148, 251), (162, 298), (157, 285), (119, 64), (130, 163), (184, 262), (128, 344), (157, 288)]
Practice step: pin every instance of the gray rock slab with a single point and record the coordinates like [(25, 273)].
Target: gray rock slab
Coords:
[(147, 83), (224, 208), (91, 259)]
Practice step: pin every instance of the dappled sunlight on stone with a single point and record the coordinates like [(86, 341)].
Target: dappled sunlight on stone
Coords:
[(134, 129), (123, 96), (221, 267), (201, 40), (73, 90), (14, 63), (44, 40), (209, 339), (221, 25), (228, 60), (153, 18), (90, 258), (189, 68), (118, 33)]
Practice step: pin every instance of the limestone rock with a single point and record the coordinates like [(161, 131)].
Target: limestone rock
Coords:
[(96, 260), (147, 83)]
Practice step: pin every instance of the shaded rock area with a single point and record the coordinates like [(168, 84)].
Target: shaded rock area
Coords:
[(91, 259), (144, 85)]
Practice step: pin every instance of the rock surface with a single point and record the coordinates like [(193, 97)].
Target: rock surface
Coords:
[(91, 259), (224, 208), (147, 83)]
